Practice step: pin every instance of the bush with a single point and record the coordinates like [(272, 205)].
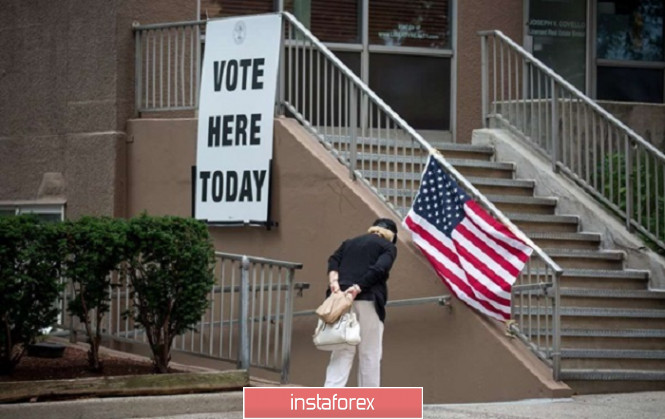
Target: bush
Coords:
[(95, 247), (30, 256), (647, 185), (170, 268)]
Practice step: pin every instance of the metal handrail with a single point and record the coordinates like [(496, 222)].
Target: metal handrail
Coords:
[(442, 300), (168, 51), (169, 25), (461, 180), (643, 164), (256, 259), (590, 102)]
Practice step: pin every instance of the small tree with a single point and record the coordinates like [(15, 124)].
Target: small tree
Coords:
[(95, 249), (30, 255), (170, 268)]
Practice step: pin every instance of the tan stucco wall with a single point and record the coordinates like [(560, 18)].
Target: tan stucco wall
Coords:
[(455, 355), (474, 16)]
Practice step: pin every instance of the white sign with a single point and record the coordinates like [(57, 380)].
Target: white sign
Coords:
[(235, 126)]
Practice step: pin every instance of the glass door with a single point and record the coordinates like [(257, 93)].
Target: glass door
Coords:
[(557, 36)]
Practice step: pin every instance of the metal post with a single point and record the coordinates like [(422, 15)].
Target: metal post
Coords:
[(555, 126), (629, 181), (484, 79), (73, 338), (279, 108), (556, 328), (287, 326), (197, 70), (353, 122), (243, 348), (138, 70)]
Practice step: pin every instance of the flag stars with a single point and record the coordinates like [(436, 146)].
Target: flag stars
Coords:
[(439, 201)]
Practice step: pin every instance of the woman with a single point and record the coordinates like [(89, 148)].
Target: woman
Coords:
[(360, 266)]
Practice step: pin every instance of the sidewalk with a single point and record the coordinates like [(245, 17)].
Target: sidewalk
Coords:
[(616, 406), (229, 406)]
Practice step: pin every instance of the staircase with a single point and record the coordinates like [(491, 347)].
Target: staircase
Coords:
[(613, 327)]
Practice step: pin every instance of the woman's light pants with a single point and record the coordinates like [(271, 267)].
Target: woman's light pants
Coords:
[(369, 351)]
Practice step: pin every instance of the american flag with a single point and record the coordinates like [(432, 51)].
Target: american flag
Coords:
[(475, 255)]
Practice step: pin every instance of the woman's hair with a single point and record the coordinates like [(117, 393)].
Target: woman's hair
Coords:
[(386, 228)]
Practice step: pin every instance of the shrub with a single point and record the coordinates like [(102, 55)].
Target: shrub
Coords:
[(170, 263), (647, 184), (30, 256), (95, 249)]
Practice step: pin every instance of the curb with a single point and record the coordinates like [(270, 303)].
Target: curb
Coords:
[(129, 407)]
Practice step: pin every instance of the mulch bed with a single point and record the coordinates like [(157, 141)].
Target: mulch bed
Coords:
[(74, 364)]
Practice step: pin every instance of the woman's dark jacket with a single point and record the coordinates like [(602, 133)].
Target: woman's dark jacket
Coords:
[(365, 260)]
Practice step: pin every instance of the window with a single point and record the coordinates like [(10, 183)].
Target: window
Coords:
[(416, 87), (630, 84), (630, 51), (222, 8), (330, 21), (409, 24), (630, 30), (558, 28), (52, 212)]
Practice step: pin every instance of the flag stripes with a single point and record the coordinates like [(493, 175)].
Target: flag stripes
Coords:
[(475, 255)]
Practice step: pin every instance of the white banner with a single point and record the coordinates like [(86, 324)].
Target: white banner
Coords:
[(235, 126)]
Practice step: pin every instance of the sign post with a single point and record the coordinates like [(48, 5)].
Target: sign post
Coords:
[(235, 125)]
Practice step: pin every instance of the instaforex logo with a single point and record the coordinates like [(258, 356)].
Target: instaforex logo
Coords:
[(331, 403)]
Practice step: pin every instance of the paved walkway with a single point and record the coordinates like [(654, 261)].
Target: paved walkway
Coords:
[(614, 406), (229, 406)]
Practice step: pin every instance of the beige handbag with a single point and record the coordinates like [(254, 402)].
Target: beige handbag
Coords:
[(334, 306), (344, 332)]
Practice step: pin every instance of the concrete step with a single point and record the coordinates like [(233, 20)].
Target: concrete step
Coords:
[(598, 318), (402, 199), (587, 241), (416, 164), (604, 338), (411, 181), (543, 223), (626, 279), (490, 186), (612, 375), (478, 169), (615, 359), (613, 380), (412, 186), (409, 146), (612, 298), (587, 259), (524, 204), (614, 386)]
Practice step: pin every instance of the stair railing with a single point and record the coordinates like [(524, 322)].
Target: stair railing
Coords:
[(388, 155), (361, 130), (167, 66), (581, 139), (248, 320)]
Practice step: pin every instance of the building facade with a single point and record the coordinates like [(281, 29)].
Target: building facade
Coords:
[(72, 142)]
